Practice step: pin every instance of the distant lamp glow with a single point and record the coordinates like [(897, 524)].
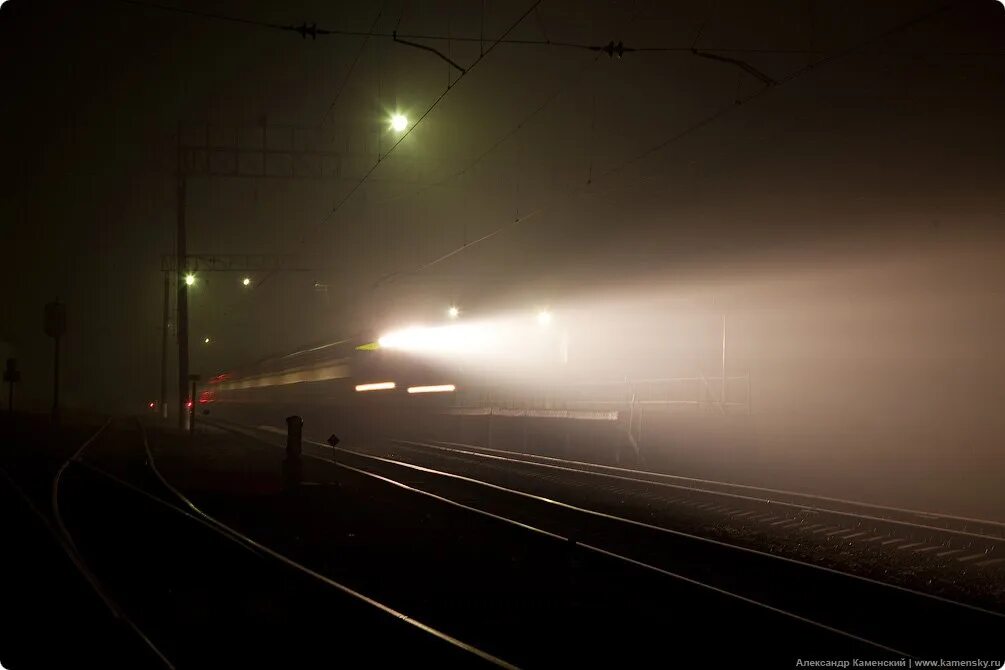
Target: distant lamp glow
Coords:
[(189, 279), (544, 317), (439, 388), (246, 281), (399, 122), (206, 341), (189, 404), (376, 386), (151, 405), (453, 312)]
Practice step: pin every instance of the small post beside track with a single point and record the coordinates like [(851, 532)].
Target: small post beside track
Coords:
[(292, 467)]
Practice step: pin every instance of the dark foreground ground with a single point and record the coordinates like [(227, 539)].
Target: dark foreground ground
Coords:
[(208, 601), (203, 600), (50, 617)]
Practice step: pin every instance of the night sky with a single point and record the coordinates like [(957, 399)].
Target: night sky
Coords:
[(878, 153)]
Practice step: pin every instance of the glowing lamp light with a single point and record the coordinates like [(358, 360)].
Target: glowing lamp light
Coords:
[(246, 281), (453, 312), (206, 341), (376, 386), (189, 279), (399, 122), (151, 405), (189, 404), (439, 388), (544, 317)]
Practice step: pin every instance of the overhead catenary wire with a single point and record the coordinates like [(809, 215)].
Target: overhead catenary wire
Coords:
[(518, 218), (674, 138), (706, 52), (380, 158), (502, 139), (314, 31), (424, 47), (352, 66), (829, 58)]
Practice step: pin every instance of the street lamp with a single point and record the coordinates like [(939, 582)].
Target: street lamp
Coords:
[(189, 279), (453, 312), (246, 281), (206, 341), (399, 122)]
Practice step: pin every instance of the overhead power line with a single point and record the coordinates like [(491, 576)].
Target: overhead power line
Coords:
[(611, 48), (313, 30), (394, 36), (858, 46), (338, 206), (672, 139), (352, 66), (513, 130)]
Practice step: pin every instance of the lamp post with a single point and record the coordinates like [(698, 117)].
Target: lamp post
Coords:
[(191, 405)]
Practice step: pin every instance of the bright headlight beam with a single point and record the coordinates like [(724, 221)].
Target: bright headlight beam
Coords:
[(376, 386), (439, 388)]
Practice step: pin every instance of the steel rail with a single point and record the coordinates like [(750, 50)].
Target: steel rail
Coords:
[(558, 537), (581, 467), (619, 557), (905, 510), (160, 501), (66, 541), (243, 430), (228, 530)]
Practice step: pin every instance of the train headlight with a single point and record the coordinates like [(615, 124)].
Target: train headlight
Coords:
[(453, 339)]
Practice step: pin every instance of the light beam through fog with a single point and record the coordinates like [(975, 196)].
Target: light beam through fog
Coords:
[(864, 375)]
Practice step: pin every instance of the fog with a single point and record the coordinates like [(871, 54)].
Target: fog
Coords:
[(874, 376), (847, 221)]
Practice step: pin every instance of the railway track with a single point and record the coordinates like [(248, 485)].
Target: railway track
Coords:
[(885, 617), (178, 524), (979, 543), (66, 540)]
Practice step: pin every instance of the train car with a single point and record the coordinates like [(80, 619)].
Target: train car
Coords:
[(402, 385)]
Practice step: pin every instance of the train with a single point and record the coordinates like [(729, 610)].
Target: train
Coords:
[(863, 398), (366, 388)]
